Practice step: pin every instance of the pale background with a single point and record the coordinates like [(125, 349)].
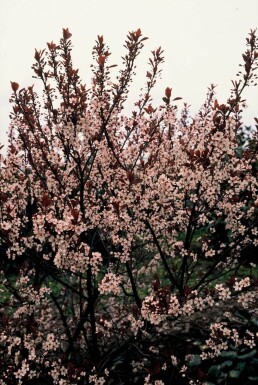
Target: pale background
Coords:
[(203, 41)]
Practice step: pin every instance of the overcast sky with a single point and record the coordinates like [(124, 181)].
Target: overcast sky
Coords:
[(203, 42)]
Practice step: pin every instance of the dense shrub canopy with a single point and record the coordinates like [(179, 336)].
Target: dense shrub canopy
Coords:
[(119, 229)]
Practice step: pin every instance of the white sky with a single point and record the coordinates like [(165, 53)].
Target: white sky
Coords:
[(203, 41)]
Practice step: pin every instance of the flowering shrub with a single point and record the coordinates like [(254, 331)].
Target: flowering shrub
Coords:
[(118, 230)]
